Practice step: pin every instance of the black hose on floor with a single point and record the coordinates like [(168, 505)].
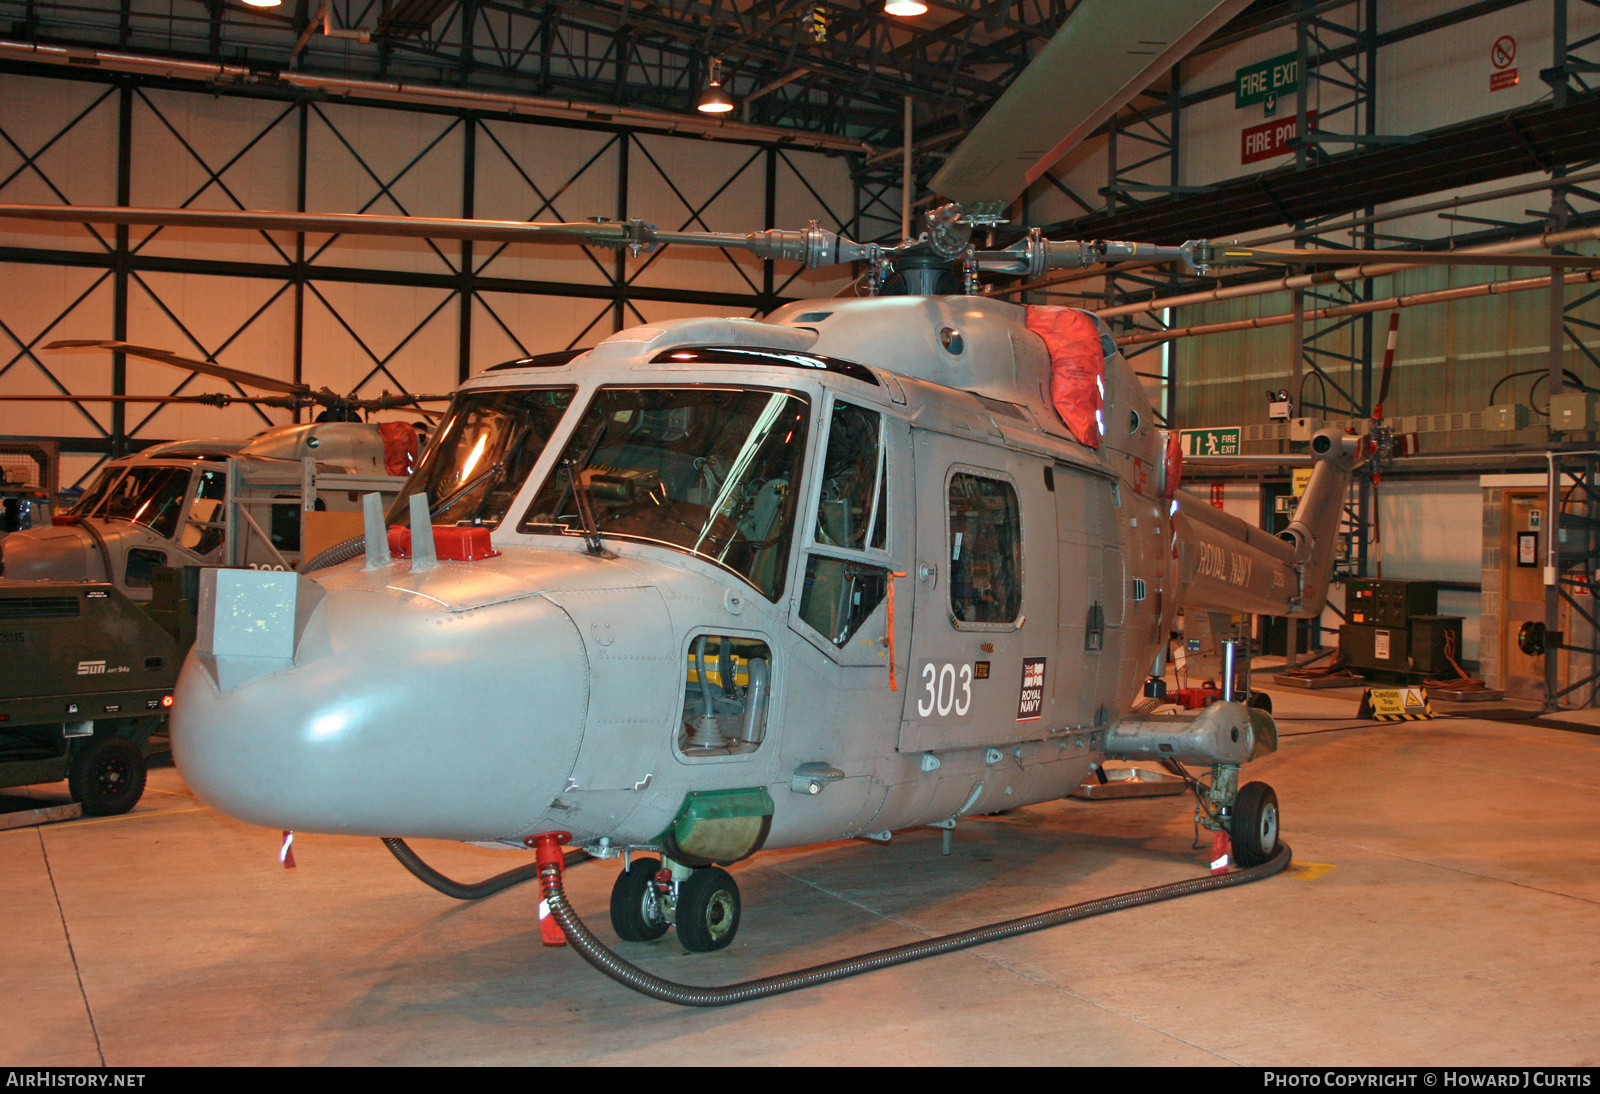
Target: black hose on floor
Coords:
[(689, 995), (463, 890)]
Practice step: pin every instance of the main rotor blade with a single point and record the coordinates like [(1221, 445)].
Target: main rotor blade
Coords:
[(205, 400), (813, 246), (612, 233), (167, 357), (1277, 256), (1104, 54)]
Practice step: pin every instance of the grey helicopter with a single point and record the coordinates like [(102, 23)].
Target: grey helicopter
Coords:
[(717, 585)]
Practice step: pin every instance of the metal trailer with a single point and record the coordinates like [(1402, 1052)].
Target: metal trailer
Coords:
[(86, 679)]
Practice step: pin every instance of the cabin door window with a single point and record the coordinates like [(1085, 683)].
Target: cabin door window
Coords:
[(985, 550)]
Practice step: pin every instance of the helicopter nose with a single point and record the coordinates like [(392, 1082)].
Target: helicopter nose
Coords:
[(49, 554), (393, 717)]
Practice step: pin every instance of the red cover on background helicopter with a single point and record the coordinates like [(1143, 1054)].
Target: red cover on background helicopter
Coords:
[(1077, 367), (399, 447)]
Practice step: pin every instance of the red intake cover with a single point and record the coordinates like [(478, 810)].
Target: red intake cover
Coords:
[(1077, 367), (399, 447), (453, 543)]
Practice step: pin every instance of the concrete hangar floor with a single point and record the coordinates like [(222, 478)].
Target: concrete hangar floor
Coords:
[(1442, 911)]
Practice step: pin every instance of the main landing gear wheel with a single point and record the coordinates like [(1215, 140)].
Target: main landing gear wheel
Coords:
[(1255, 824), (107, 776), (708, 910), (636, 913)]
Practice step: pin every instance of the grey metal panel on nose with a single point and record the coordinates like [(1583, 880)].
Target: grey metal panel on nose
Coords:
[(250, 621), (396, 719)]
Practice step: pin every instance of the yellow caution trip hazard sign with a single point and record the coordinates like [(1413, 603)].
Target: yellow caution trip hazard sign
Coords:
[(1395, 705)]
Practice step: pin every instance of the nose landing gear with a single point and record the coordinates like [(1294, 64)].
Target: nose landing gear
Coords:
[(703, 904), (1248, 814)]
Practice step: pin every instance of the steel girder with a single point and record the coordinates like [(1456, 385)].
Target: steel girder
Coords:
[(303, 269)]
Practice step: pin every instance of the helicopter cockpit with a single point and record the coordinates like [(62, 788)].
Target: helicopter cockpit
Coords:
[(705, 469)]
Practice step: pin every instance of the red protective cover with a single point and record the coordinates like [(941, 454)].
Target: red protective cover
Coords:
[(454, 543), (1077, 367), (1172, 479), (399, 447)]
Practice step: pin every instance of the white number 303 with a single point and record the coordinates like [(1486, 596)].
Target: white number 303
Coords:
[(945, 688)]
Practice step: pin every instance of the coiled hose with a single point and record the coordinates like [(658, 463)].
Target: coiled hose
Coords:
[(464, 890), (343, 551), (690, 995)]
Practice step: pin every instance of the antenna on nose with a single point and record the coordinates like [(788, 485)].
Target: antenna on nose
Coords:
[(377, 537), (424, 553)]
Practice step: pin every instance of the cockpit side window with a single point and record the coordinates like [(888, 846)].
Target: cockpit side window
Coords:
[(708, 470), (852, 480), (205, 530), (841, 592)]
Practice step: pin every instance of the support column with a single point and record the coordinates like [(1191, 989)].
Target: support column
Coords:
[(120, 268), (469, 162)]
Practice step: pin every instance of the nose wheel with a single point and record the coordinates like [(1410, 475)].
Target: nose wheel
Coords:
[(704, 906)]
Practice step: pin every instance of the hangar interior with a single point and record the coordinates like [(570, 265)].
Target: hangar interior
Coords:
[(1453, 857)]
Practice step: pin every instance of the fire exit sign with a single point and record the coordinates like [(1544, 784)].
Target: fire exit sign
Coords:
[(1265, 80), (1211, 442)]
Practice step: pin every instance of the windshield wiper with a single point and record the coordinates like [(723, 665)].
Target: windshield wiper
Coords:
[(574, 467), (450, 498)]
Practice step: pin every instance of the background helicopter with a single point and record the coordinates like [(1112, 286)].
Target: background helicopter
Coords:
[(255, 503)]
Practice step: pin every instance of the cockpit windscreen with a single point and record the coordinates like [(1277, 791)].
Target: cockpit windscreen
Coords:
[(709, 470)]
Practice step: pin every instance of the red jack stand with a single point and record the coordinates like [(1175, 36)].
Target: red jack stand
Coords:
[(1220, 858), (548, 854)]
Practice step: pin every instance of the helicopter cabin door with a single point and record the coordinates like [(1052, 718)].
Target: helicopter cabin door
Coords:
[(983, 652), (857, 534)]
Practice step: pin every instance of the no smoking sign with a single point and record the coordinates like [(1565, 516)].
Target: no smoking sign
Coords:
[(1502, 55)]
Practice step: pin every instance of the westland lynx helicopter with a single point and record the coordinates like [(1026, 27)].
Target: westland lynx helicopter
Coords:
[(718, 585), (217, 502)]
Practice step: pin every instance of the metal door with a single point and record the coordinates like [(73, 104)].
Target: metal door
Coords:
[(983, 649)]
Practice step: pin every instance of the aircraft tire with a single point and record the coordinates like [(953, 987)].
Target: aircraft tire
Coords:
[(708, 910), (1254, 833), (1261, 701), (635, 908), (107, 776)]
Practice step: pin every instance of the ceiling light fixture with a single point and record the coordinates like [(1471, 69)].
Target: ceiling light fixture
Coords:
[(264, 3), (904, 8), (714, 100)]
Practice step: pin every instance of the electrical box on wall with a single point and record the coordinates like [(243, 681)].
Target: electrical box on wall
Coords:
[(1572, 411), (1303, 429), (1507, 416)]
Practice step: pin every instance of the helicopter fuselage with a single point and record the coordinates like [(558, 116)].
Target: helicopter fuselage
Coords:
[(745, 574)]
